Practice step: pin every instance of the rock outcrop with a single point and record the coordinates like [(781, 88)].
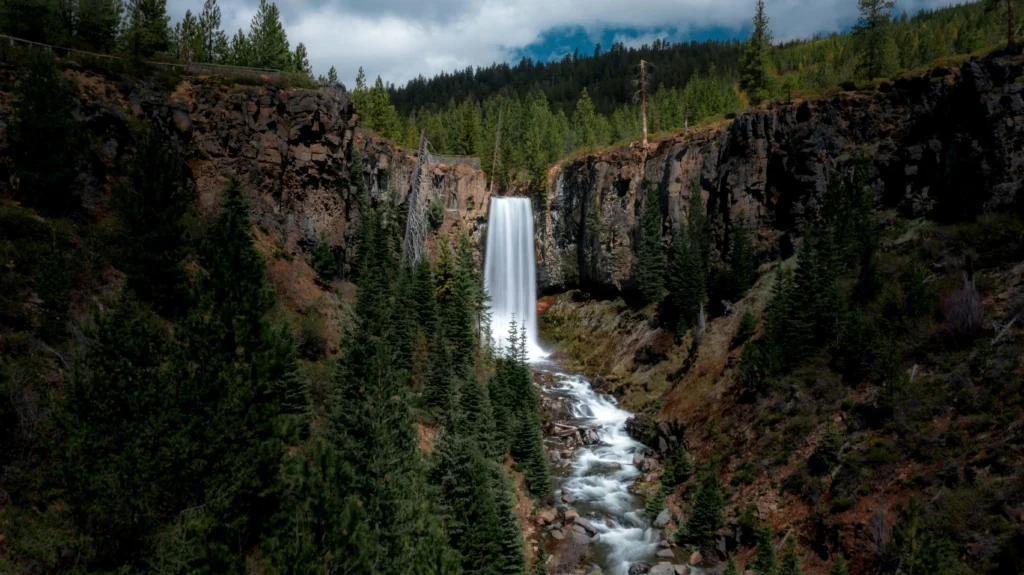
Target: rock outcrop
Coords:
[(948, 145)]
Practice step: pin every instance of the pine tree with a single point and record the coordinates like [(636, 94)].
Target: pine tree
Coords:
[(332, 77), (584, 123), (746, 330), (755, 70), (46, 143), (697, 228), (730, 567), (877, 58), (839, 566), (241, 50), (267, 39), (381, 116), (300, 61), (540, 561), (656, 503), (650, 258), (742, 267), (187, 39), (790, 560), (98, 22), (678, 469), (706, 518), (764, 556), (146, 30), (1011, 22), (152, 206), (686, 283), (215, 41), (323, 262)]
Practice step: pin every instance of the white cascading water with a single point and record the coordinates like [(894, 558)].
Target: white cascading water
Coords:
[(600, 477), (510, 276)]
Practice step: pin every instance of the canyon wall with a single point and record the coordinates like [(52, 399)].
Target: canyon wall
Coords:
[(948, 145)]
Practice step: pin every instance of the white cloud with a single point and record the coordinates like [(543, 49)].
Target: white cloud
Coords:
[(400, 39)]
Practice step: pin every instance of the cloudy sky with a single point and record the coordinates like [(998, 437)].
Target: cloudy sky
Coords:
[(400, 39)]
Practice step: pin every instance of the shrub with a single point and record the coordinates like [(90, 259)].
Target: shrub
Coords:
[(748, 326), (435, 213)]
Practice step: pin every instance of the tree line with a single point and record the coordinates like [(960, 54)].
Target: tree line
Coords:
[(182, 435), (548, 110)]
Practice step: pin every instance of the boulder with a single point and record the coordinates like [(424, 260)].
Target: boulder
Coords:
[(586, 526), (578, 528), (567, 497), (580, 539), (571, 515), (639, 569), (666, 554), (547, 515), (662, 519), (557, 534), (696, 558), (682, 569), (663, 569)]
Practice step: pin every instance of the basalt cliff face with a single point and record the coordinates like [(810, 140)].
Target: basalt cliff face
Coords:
[(291, 149), (948, 145)]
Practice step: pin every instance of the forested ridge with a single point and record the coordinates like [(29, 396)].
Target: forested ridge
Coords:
[(162, 410), (549, 110)]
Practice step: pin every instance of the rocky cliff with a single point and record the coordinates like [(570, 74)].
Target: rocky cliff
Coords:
[(947, 145)]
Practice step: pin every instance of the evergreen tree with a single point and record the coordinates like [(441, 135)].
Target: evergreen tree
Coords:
[(540, 561), (873, 27), (706, 518), (746, 330), (381, 116), (268, 42), (650, 257), (790, 560), (678, 469), (686, 283), (1011, 22), (146, 30), (764, 556), (839, 566), (332, 77), (657, 501), (215, 41), (187, 39), (241, 50), (323, 262), (152, 206), (697, 228), (756, 68), (98, 22), (300, 61), (742, 267), (46, 143), (584, 123), (730, 567)]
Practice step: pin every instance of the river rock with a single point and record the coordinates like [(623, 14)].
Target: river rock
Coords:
[(696, 558), (665, 554), (567, 497), (571, 515), (663, 569), (682, 569), (639, 569), (580, 539), (579, 528), (586, 525), (662, 519), (547, 516), (557, 534)]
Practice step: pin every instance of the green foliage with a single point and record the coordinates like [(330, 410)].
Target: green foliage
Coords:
[(435, 213), (584, 124), (826, 454), (764, 562), (375, 109), (742, 266), (300, 62), (678, 469), (839, 566), (145, 28), (46, 142), (98, 22), (706, 517), (790, 560), (152, 205), (323, 262), (267, 39), (919, 549), (650, 257), (656, 503), (878, 51), (730, 567), (746, 330), (756, 67)]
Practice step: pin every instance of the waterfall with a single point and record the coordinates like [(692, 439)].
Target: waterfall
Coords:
[(510, 276)]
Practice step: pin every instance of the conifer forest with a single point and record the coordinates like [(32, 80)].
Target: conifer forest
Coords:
[(666, 307)]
